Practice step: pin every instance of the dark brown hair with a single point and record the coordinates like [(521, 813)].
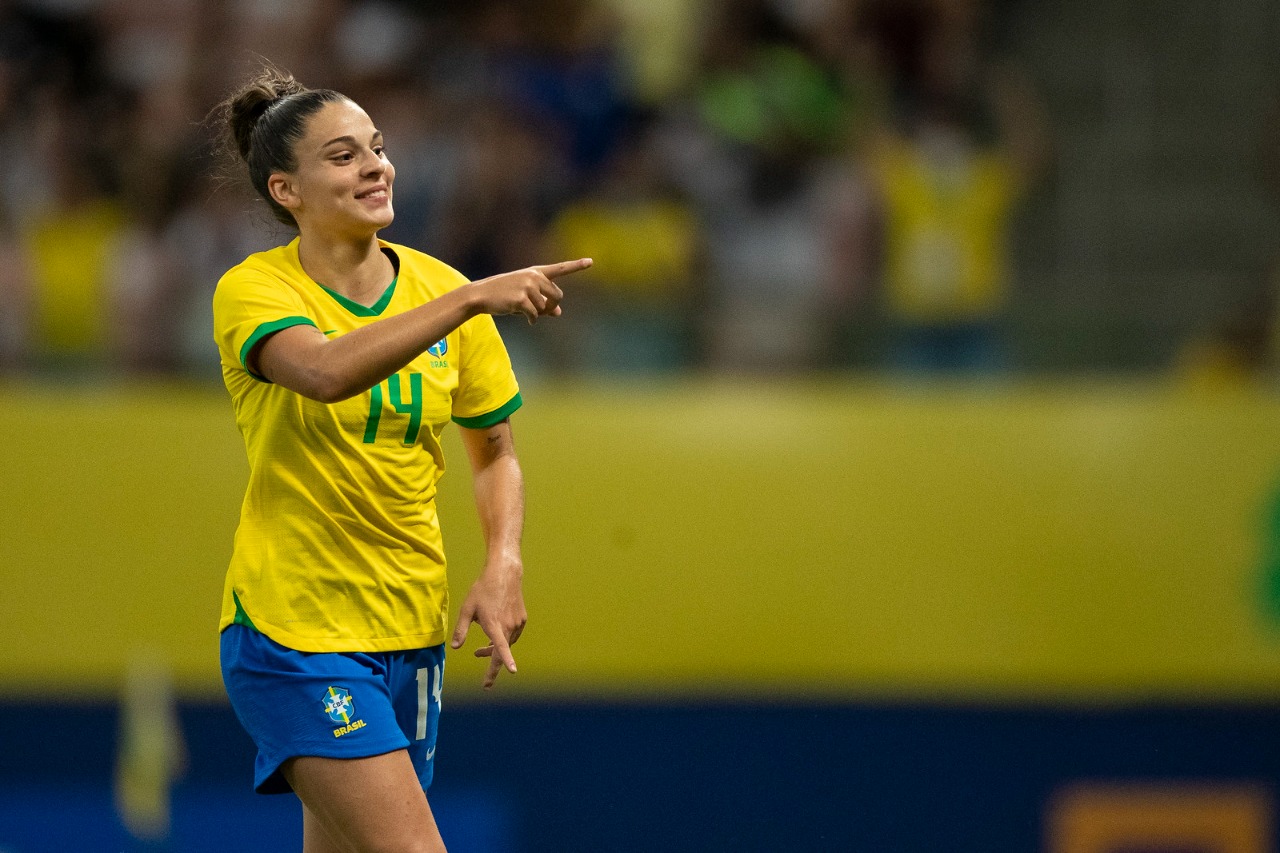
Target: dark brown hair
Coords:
[(263, 120)]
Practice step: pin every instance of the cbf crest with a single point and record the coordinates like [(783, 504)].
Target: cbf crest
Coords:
[(437, 351), (339, 705)]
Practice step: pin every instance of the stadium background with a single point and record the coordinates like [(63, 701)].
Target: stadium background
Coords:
[(809, 567)]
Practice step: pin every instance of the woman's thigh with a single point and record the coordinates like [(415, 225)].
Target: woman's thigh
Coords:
[(363, 805)]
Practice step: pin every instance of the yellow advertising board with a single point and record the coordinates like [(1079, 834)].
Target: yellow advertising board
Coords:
[(773, 540)]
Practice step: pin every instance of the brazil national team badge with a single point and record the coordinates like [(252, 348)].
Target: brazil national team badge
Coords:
[(437, 351), (341, 708)]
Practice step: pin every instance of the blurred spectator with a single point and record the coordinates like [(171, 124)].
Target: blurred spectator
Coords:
[(420, 128), (214, 228), (1242, 345), (72, 243), (156, 166), (15, 284), (818, 152), (761, 87), (1237, 349), (555, 63), (511, 180), (641, 311), (764, 150), (965, 147), (658, 44), (293, 34), (15, 296)]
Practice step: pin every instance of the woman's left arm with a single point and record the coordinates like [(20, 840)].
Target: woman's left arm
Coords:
[(495, 601)]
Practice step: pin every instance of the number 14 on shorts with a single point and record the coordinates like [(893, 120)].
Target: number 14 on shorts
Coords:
[(430, 682)]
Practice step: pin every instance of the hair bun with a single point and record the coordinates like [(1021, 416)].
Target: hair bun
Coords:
[(260, 123), (251, 103)]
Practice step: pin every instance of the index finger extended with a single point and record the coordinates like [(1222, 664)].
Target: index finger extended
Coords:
[(553, 271)]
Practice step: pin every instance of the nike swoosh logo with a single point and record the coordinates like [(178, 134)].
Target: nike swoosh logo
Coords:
[(431, 753)]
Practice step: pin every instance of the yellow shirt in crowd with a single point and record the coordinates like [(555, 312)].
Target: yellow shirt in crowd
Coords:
[(946, 231)]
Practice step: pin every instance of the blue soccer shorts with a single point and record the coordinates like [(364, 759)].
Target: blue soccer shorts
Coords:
[(329, 704)]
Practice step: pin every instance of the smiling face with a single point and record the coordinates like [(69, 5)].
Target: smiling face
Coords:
[(341, 187)]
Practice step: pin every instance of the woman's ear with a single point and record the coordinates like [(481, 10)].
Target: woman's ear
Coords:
[(282, 190)]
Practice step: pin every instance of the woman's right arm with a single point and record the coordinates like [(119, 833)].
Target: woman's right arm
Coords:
[(303, 360)]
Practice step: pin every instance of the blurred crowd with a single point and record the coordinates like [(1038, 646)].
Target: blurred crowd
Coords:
[(766, 185)]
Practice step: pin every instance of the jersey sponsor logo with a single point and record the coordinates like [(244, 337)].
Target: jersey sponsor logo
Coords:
[(339, 705)]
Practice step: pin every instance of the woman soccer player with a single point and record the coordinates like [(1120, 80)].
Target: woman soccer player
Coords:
[(346, 357)]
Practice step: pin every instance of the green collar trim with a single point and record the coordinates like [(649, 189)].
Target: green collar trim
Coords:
[(378, 307), (364, 310)]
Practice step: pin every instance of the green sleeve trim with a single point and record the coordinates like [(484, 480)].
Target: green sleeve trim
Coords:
[(497, 416), (241, 618), (264, 330)]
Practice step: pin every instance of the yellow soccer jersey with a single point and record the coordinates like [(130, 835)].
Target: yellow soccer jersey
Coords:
[(339, 546)]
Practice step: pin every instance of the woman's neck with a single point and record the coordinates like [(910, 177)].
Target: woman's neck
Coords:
[(358, 269)]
